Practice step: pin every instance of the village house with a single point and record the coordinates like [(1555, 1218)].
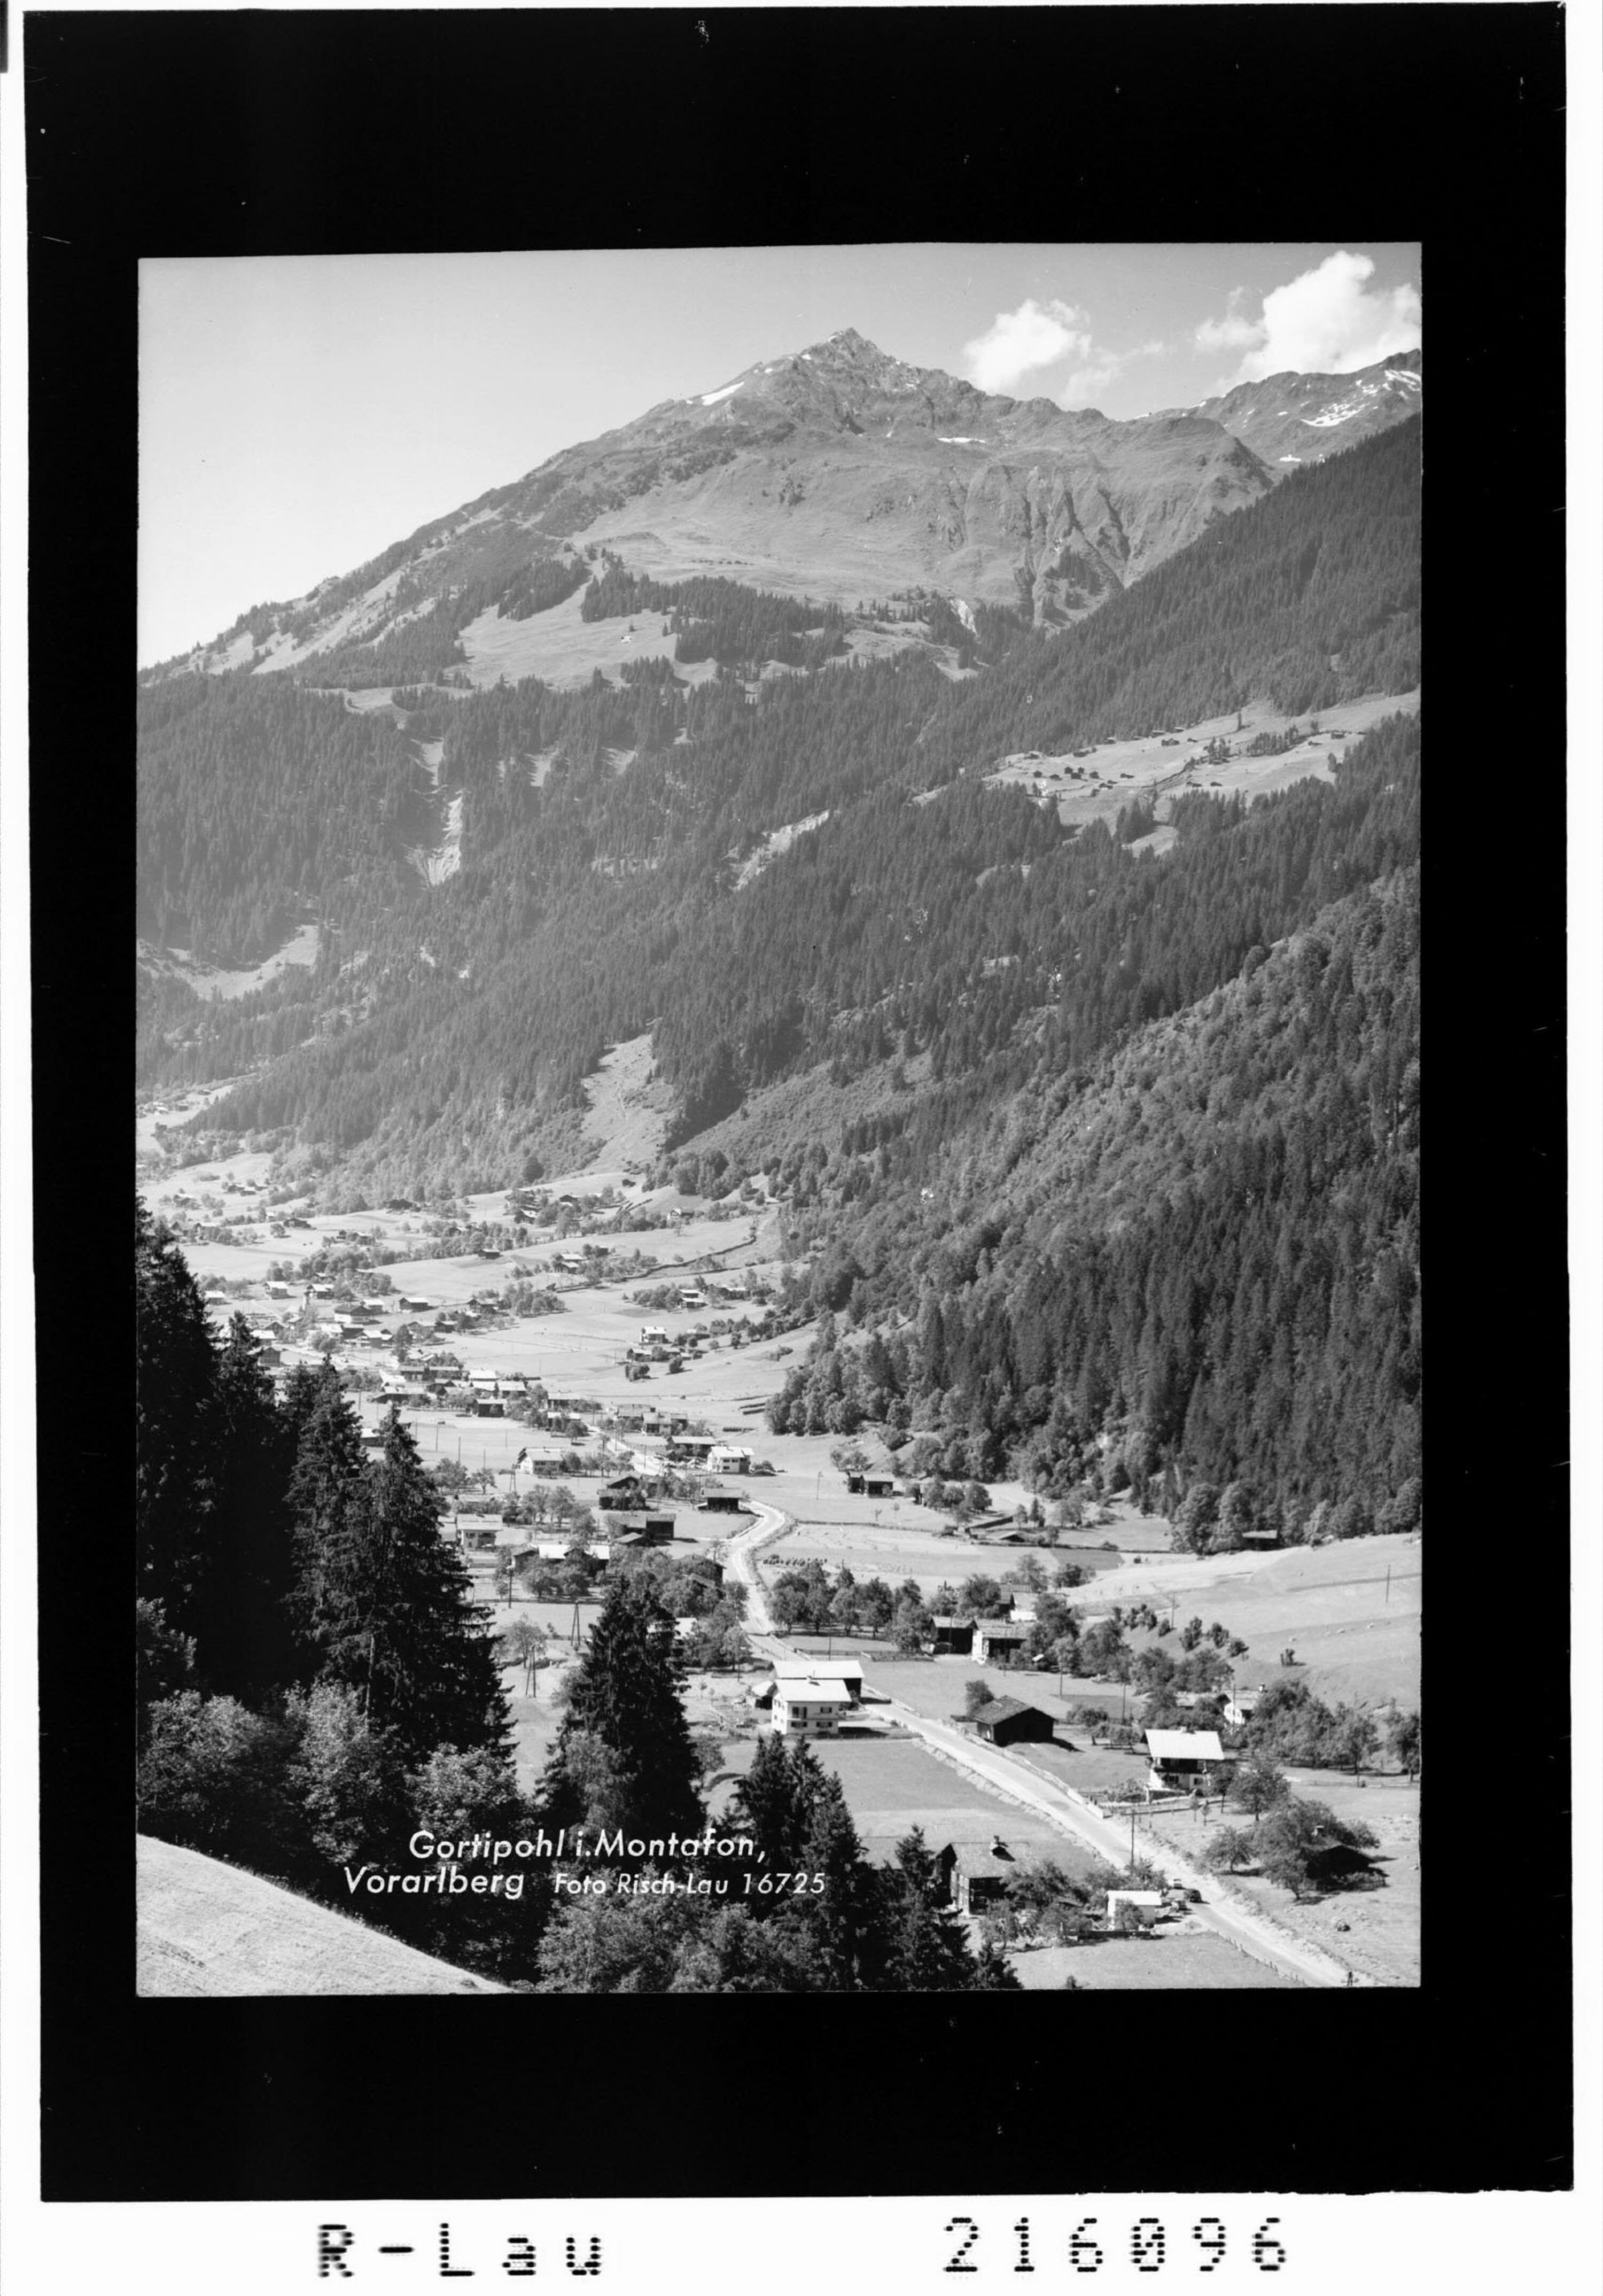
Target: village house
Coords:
[(998, 1640), (1184, 1758), (846, 1670), (691, 1451), (1008, 1721), (730, 1459), (1149, 1905), (809, 1706), (472, 1532), (976, 1875)]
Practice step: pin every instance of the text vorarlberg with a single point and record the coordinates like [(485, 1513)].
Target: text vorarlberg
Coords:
[(446, 1877)]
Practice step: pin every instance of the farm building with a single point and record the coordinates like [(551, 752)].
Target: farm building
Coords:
[(976, 1873), (1008, 1720), (998, 1639), (1186, 1758), (879, 1487), (723, 1502), (950, 1637), (809, 1706), (694, 1448), (651, 1529), (624, 1491)]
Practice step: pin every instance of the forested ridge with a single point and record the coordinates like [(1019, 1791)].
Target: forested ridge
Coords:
[(1204, 1251)]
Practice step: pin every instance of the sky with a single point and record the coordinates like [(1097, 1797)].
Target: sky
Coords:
[(299, 413)]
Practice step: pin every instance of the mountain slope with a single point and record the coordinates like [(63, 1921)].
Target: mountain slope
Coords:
[(1201, 1247), (1292, 419)]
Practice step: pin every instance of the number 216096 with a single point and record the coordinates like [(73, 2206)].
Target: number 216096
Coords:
[(1146, 2245)]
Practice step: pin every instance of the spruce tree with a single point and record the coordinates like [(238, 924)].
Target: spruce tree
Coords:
[(245, 1641), (765, 1800), (399, 1623), (626, 1694), (927, 1950), (326, 1496), (175, 1365)]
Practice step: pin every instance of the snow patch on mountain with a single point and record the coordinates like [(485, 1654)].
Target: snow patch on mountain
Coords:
[(711, 397)]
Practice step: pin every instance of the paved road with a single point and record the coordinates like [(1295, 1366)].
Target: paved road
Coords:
[(1068, 1811)]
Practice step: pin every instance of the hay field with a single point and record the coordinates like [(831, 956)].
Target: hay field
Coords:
[(1382, 1926), (893, 1783), (1115, 772), (1356, 1635), (1188, 1958), (563, 648)]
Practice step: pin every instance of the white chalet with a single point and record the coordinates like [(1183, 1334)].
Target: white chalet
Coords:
[(809, 1706)]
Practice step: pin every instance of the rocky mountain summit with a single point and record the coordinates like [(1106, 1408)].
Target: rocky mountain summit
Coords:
[(841, 472)]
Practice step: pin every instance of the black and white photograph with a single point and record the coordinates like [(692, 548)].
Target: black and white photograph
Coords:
[(773, 833), (778, 1123)]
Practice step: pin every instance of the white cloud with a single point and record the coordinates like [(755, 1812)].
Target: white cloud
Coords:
[(1233, 333), (1083, 384), (1047, 351), (1023, 342), (1326, 321)]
